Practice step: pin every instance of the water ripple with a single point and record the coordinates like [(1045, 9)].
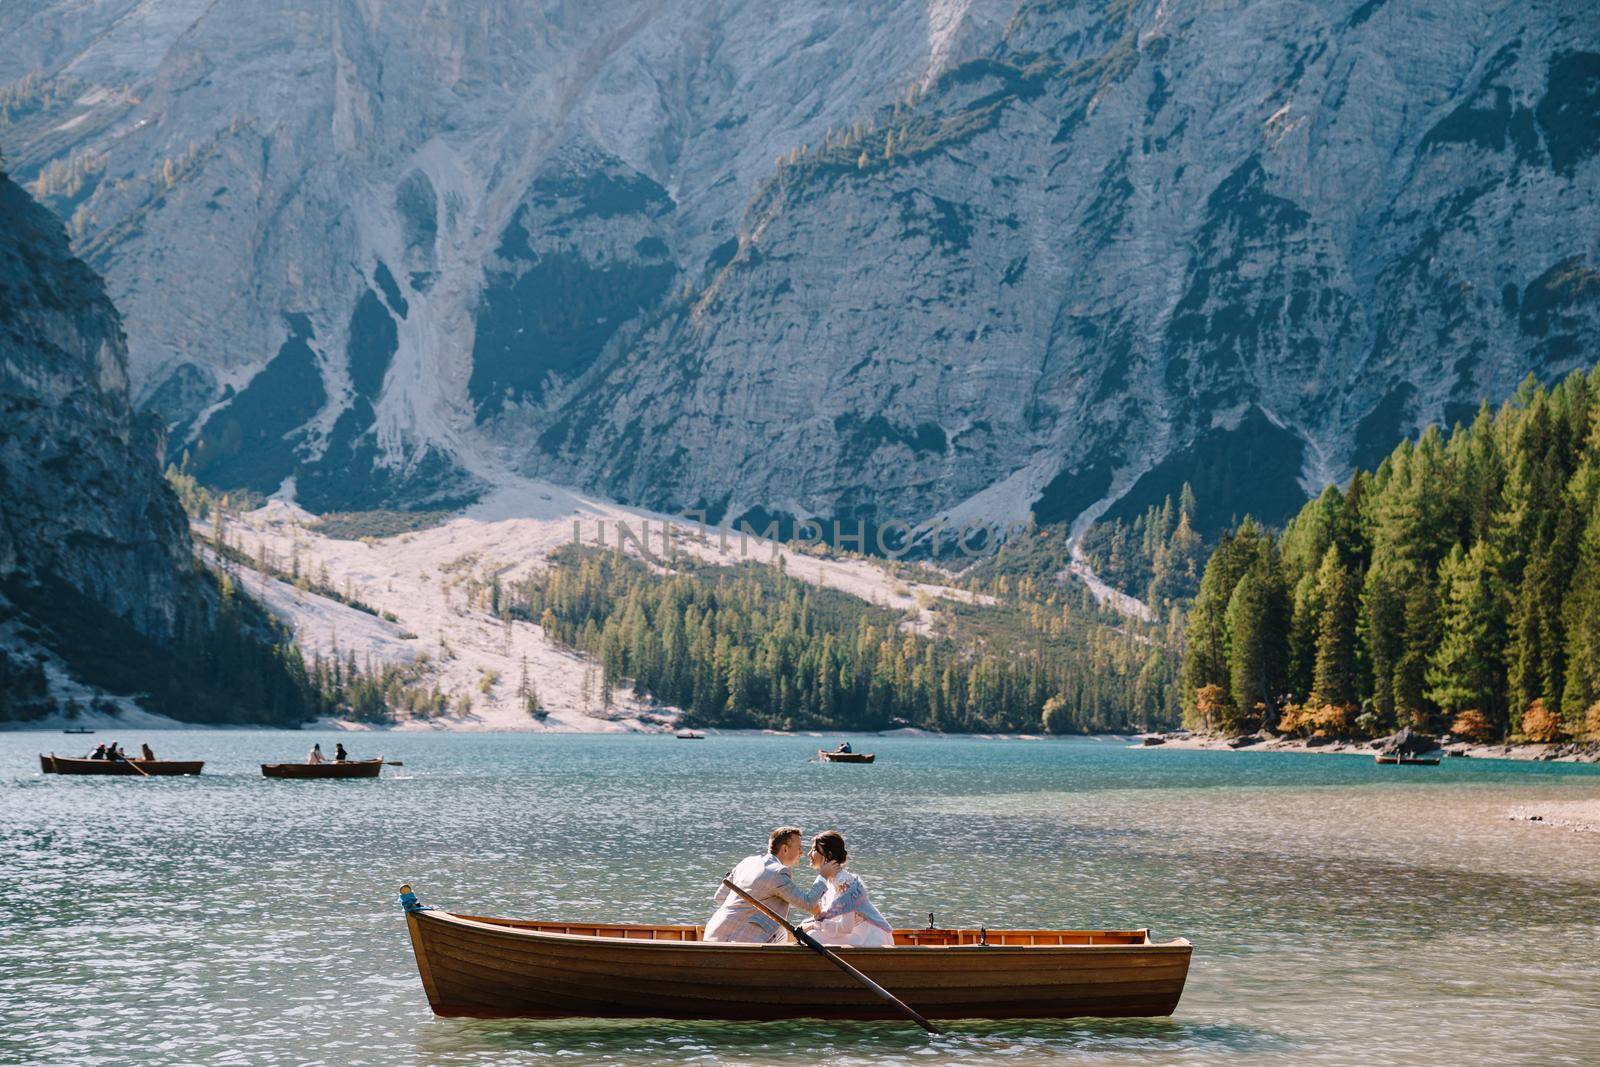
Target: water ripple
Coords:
[(1339, 914)]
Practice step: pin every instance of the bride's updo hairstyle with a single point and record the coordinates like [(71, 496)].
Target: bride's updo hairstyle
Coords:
[(831, 844)]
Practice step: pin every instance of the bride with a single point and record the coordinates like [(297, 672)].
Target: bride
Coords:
[(847, 917)]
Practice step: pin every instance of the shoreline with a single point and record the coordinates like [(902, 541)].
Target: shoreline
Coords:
[(1586, 752), (104, 724), (1569, 752), (1572, 816)]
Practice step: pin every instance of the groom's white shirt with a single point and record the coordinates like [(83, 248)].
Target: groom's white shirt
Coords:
[(770, 882)]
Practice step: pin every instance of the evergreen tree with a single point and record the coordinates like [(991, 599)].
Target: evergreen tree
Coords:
[(1581, 614), (1336, 676), (1475, 559), (1208, 660), (1256, 620), (1464, 673), (748, 645)]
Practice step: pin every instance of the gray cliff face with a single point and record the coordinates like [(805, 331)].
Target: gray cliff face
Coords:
[(82, 498), (262, 184), (1241, 245), (885, 261), (101, 596)]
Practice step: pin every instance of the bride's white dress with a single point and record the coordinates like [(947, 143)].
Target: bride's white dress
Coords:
[(848, 917)]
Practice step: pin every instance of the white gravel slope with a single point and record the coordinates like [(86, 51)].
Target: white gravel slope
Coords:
[(421, 580)]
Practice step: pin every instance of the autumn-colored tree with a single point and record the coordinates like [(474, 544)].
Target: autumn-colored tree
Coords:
[(1054, 718), (1591, 722), (1472, 725), (1333, 720), (1318, 720), (1540, 724), (1211, 706), (1293, 720)]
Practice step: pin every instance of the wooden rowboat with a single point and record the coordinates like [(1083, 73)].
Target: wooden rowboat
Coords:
[(824, 756), (357, 768), (1420, 761), (54, 764), (505, 968)]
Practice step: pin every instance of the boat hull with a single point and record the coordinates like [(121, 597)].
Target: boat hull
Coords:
[(151, 768), (481, 969), (367, 768), (825, 756)]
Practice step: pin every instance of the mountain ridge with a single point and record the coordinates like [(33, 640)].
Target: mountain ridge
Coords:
[(1049, 259)]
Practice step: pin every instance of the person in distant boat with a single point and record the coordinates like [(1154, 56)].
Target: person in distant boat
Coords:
[(99, 752), (315, 756), (844, 746), (766, 878), (339, 754), (845, 916), (145, 753), (114, 752)]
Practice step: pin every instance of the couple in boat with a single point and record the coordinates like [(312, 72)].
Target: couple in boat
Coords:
[(837, 901)]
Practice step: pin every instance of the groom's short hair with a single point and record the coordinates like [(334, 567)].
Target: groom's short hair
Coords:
[(779, 836)]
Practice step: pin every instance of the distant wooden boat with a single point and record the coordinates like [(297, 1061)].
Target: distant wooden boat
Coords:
[(824, 756), (78, 730), (689, 735), (355, 768), (54, 764), (1421, 761), (504, 968)]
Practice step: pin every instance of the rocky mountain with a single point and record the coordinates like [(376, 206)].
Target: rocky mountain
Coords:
[(299, 206), (85, 503), (877, 261), (97, 570)]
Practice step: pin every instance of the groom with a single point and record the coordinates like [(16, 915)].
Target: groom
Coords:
[(766, 878)]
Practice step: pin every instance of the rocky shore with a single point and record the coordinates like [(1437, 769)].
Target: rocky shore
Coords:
[(1563, 752)]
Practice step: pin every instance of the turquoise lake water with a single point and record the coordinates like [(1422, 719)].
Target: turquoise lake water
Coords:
[(1341, 912)]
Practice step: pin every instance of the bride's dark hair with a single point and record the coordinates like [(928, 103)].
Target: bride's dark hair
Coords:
[(831, 844)]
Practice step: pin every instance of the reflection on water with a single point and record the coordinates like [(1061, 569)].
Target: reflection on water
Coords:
[(810, 1041), (1340, 911)]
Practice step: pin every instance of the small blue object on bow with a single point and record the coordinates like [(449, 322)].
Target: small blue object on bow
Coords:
[(409, 901)]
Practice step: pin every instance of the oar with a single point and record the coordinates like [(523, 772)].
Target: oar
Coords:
[(134, 765), (822, 950)]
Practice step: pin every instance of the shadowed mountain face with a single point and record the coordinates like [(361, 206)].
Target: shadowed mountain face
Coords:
[(99, 585), (866, 261), (83, 505)]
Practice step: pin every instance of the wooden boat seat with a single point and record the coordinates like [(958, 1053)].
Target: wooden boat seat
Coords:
[(1056, 938), (908, 938)]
